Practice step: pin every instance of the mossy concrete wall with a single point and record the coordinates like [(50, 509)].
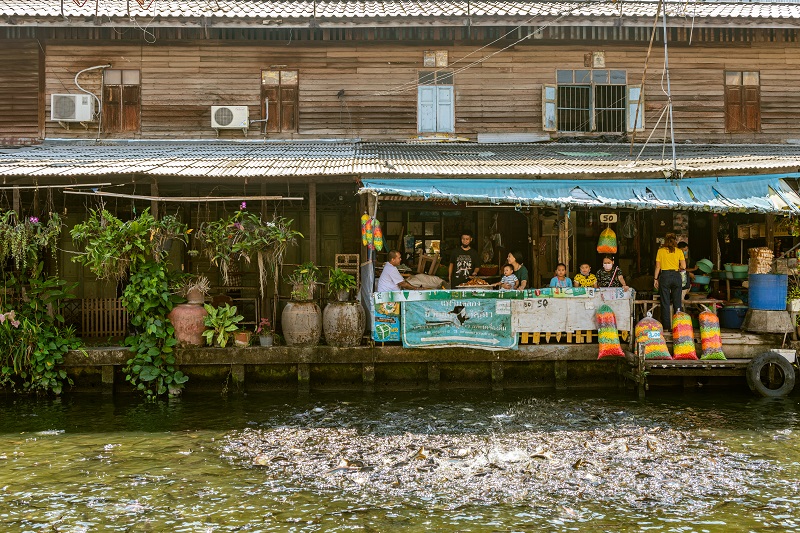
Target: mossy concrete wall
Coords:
[(550, 366)]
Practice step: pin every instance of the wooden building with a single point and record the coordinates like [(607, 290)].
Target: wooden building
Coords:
[(303, 99)]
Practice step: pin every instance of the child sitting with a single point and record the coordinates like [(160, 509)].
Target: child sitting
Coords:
[(585, 278), (561, 279), (509, 280)]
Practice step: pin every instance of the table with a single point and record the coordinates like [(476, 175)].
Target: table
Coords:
[(651, 305)]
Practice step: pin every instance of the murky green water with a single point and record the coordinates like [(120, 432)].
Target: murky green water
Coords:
[(401, 462)]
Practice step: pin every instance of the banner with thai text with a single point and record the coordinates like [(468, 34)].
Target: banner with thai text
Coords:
[(458, 322)]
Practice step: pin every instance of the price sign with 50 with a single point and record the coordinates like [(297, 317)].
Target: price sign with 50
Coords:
[(540, 303)]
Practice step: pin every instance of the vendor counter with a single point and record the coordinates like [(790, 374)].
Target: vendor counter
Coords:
[(491, 319)]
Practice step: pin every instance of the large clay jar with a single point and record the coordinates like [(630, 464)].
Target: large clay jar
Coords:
[(343, 323), (301, 323), (188, 320)]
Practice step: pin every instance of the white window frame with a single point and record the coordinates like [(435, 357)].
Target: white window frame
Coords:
[(634, 108)]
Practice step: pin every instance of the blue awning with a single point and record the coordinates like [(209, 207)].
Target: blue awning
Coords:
[(753, 194)]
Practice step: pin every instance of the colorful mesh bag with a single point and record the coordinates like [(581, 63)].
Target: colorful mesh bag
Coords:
[(710, 338), (650, 334), (682, 337), (607, 336), (377, 233), (607, 243)]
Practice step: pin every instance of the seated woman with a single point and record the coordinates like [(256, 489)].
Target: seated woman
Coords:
[(610, 275)]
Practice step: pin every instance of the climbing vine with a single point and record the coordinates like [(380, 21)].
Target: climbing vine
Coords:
[(148, 299)]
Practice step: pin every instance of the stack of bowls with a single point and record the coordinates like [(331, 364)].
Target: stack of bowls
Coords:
[(705, 265)]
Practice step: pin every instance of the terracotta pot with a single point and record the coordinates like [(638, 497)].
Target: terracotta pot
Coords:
[(302, 323), (343, 323), (188, 321), (241, 338)]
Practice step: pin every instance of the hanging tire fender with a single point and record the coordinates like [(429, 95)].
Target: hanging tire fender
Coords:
[(756, 366)]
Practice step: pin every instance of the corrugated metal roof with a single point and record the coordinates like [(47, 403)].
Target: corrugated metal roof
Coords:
[(247, 11), (761, 194), (413, 160)]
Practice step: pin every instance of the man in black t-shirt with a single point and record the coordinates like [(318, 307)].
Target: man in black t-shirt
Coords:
[(464, 262)]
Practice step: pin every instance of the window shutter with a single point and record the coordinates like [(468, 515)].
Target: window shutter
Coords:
[(635, 108), (426, 109), (289, 108), (444, 109), (549, 109), (112, 108), (733, 109), (271, 108), (752, 108)]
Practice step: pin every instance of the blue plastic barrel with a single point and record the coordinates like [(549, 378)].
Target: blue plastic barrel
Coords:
[(732, 317), (768, 291)]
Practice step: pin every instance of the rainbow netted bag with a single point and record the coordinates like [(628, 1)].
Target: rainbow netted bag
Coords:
[(682, 337), (650, 334), (607, 244), (710, 339), (377, 234), (607, 336)]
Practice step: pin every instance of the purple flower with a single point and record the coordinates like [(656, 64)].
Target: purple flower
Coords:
[(238, 225), (2, 318), (243, 206), (33, 220), (15, 323)]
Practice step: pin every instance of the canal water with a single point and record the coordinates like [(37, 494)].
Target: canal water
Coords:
[(445, 461)]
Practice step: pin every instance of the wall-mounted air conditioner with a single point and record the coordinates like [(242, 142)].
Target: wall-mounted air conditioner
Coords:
[(230, 117), (71, 107)]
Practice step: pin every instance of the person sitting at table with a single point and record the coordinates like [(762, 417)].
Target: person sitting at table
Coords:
[(609, 275), (509, 280), (585, 278), (561, 279), (391, 279)]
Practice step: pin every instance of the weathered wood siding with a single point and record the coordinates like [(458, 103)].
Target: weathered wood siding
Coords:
[(19, 91), (180, 81)]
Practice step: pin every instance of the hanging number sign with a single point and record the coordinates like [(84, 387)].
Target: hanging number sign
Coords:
[(608, 218)]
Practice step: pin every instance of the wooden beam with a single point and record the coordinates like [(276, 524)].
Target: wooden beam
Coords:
[(16, 202), (187, 199)]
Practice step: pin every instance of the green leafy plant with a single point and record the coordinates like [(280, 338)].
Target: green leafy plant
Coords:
[(24, 240), (33, 338), (148, 300), (303, 280), (339, 281), (222, 322)]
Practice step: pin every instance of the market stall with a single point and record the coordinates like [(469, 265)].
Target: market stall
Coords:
[(490, 319)]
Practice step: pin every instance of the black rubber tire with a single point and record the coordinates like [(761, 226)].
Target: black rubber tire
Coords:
[(781, 369)]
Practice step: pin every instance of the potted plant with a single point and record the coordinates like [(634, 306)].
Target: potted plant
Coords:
[(264, 332), (241, 337), (343, 321), (302, 317), (304, 281), (340, 283), (189, 319), (222, 322)]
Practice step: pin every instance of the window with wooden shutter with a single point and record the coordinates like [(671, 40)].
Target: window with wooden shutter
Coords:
[(122, 91), (280, 99), (742, 101), (435, 102)]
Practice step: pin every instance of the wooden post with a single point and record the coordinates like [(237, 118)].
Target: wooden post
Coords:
[(770, 227), (312, 222), (303, 377), (560, 370), (368, 376), (497, 375), (154, 203), (534, 276), (434, 376), (715, 239), (16, 202)]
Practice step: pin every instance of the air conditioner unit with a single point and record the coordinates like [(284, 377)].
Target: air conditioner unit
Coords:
[(72, 107), (230, 117)]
